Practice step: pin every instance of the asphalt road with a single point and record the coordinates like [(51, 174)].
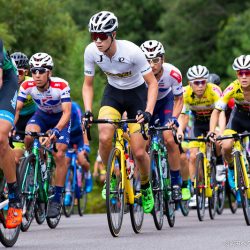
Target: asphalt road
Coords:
[(227, 231)]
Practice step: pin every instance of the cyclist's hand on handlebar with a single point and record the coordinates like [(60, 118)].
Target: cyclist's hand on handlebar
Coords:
[(211, 136), (143, 116), (86, 118), (173, 122), (179, 134)]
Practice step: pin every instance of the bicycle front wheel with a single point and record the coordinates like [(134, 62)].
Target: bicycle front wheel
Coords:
[(243, 188), (200, 187), (8, 237), (184, 205), (114, 192), (27, 167), (212, 201), (157, 188), (136, 209)]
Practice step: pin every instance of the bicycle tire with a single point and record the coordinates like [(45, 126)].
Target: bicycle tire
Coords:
[(27, 165), (155, 179), (231, 196), (52, 222), (40, 212), (242, 187), (136, 209), (169, 203), (212, 201), (200, 187), (221, 197), (184, 205), (68, 209), (82, 200), (114, 194), (8, 237)]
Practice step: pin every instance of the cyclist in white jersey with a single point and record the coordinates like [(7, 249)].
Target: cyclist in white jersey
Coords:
[(127, 71), (52, 96), (168, 106)]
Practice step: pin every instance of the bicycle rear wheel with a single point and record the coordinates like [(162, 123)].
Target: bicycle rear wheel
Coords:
[(184, 205), (212, 201), (27, 168), (83, 198), (114, 192), (169, 203), (155, 179), (200, 187), (68, 208), (221, 197), (136, 209), (40, 212), (243, 188), (8, 237), (231, 195), (52, 222)]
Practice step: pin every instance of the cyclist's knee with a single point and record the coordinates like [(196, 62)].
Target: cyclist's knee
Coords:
[(139, 154), (192, 156), (4, 145)]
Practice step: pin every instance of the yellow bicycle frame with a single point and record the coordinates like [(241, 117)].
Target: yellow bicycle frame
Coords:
[(202, 149), (126, 183)]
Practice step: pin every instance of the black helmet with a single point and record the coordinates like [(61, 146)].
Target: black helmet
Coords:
[(20, 59), (214, 78)]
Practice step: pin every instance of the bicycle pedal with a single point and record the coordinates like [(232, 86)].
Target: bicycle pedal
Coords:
[(137, 196)]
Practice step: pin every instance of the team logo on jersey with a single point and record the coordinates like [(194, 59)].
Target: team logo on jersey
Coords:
[(13, 101), (176, 76), (101, 59), (119, 75), (121, 59)]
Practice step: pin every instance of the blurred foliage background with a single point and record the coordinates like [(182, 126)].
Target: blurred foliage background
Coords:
[(207, 32)]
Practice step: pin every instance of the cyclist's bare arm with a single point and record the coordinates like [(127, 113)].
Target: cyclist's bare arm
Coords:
[(183, 121), (152, 91), (214, 120), (178, 105), (222, 121), (19, 106), (88, 92)]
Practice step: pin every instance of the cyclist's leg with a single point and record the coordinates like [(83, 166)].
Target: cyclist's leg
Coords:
[(8, 95), (135, 100)]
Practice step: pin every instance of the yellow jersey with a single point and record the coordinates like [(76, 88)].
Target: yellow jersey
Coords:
[(234, 90), (202, 107)]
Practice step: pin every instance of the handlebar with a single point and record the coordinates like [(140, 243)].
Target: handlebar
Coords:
[(120, 123), (37, 135), (232, 136)]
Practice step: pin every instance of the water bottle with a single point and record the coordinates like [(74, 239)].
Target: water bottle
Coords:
[(43, 169), (132, 167), (127, 164), (79, 176), (164, 167)]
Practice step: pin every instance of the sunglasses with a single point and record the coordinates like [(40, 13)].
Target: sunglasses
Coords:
[(21, 72), (155, 60), (38, 70), (101, 36), (245, 72), (199, 82)]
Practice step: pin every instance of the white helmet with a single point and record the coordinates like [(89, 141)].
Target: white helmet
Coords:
[(152, 49), (196, 72), (41, 60), (103, 21), (241, 62)]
